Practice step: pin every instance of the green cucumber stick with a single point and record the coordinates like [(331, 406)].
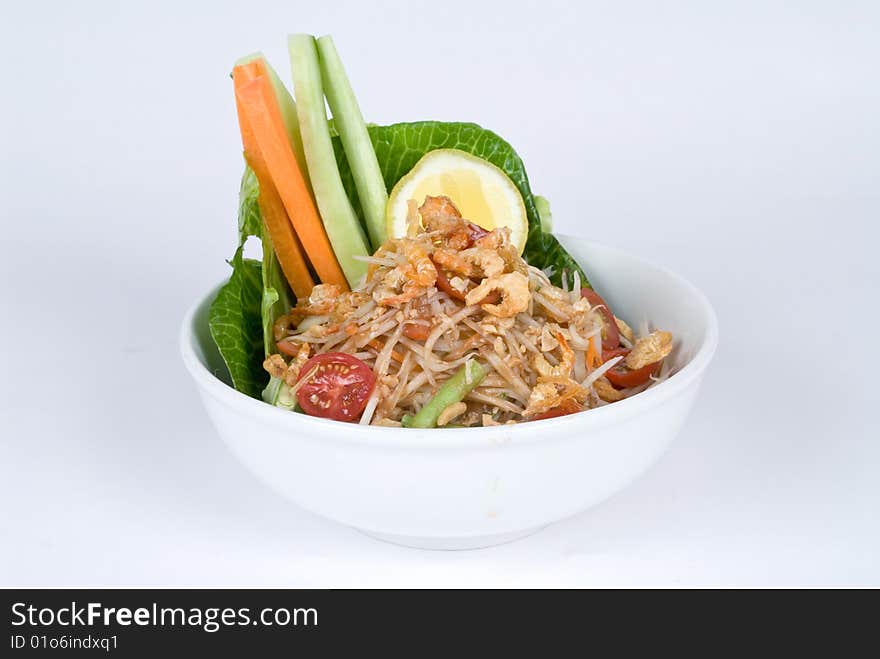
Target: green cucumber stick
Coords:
[(355, 140), (543, 206), (452, 391), (288, 112), (340, 221)]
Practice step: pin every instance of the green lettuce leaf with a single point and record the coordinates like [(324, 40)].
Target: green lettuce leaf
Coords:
[(250, 221), (236, 326), (400, 146), (277, 300), (248, 302)]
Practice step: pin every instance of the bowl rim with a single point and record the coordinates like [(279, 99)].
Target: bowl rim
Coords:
[(573, 425)]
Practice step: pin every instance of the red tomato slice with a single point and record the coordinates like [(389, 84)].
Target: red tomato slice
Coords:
[(611, 354), (337, 387), (622, 377), (443, 284), (568, 407), (612, 337), (417, 332), (288, 348), (475, 232)]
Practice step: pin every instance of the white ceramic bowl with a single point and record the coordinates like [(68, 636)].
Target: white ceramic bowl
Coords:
[(472, 487)]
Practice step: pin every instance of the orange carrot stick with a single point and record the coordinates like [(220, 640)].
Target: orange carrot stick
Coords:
[(287, 246), (248, 71), (284, 240), (263, 117), (594, 359), (377, 345)]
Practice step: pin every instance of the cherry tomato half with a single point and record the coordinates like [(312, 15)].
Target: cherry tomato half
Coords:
[(622, 377), (337, 388), (611, 354), (568, 407), (475, 232), (612, 337), (443, 284), (288, 348)]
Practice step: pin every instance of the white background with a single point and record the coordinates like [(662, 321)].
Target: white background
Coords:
[(736, 143)]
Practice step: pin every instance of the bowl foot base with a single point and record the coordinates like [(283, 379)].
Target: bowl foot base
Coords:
[(452, 544)]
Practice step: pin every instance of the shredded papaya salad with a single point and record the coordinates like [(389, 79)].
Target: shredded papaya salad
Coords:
[(409, 277)]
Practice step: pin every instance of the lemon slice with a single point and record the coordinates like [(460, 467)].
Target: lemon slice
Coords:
[(482, 193)]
